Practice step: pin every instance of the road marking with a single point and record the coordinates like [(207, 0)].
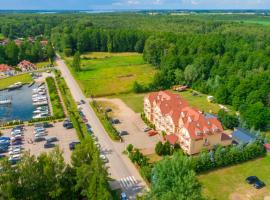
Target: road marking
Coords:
[(128, 182)]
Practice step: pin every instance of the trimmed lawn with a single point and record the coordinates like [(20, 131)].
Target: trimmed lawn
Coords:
[(24, 78), (105, 74), (132, 100), (2, 36), (42, 64), (229, 182)]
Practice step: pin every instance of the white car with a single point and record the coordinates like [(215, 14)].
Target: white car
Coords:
[(104, 158), (16, 137), (15, 147), (15, 157), (15, 152), (16, 132)]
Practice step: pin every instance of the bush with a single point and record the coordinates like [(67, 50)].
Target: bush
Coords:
[(226, 156), (159, 149), (228, 121), (164, 149)]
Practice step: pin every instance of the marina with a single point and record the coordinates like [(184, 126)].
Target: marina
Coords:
[(24, 102)]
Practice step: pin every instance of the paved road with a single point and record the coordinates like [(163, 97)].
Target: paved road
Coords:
[(121, 169)]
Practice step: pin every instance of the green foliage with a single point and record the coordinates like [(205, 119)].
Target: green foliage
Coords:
[(173, 178), (228, 121), (20, 181), (58, 110), (77, 62), (256, 115), (106, 121), (164, 149), (226, 156), (147, 122)]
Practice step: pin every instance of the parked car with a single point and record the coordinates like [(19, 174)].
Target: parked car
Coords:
[(82, 101), (89, 128), (14, 152), (39, 139), (69, 126), (122, 133), (146, 129), (115, 121), (3, 149), (104, 158), (4, 138), (52, 139), (108, 110), (16, 142), (49, 145), (47, 125), (78, 103), (2, 156), (152, 133), (15, 147), (84, 119), (72, 145), (251, 179), (123, 196), (66, 122), (259, 184), (14, 159)]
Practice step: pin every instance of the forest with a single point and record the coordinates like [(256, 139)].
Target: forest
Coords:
[(227, 59), (215, 55)]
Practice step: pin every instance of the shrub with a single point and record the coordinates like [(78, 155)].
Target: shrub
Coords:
[(159, 149)]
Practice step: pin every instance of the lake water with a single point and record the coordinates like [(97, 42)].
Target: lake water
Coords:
[(21, 108)]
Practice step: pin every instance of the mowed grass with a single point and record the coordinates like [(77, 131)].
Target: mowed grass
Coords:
[(2, 36), (42, 64), (24, 78), (105, 74), (229, 183), (132, 100)]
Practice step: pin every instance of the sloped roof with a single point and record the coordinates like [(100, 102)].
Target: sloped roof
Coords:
[(4, 68), (172, 139), (241, 135)]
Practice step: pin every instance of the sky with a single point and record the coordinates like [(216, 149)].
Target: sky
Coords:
[(132, 4)]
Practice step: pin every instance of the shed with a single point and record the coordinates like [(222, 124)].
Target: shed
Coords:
[(172, 139), (242, 136)]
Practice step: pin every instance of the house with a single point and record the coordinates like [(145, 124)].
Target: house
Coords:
[(180, 88), (26, 66), (267, 147), (6, 70), (194, 131), (242, 136), (44, 42), (19, 41)]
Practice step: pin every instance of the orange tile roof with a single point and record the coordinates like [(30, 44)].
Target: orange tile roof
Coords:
[(172, 139), (197, 124), (4, 68)]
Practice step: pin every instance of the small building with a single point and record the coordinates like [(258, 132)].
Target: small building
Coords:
[(19, 41), (6, 70), (44, 42), (26, 66), (242, 136), (172, 139), (210, 98), (267, 147), (180, 88)]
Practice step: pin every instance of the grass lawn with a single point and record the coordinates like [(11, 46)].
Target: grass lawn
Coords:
[(2, 36), (132, 100), (42, 64), (229, 183), (24, 78), (201, 102), (105, 74)]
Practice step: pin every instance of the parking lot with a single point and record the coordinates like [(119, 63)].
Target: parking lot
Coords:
[(132, 123), (64, 136)]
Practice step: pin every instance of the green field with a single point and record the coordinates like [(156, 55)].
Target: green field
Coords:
[(135, 101), (229, 183), (105, 74), (24, 78), (42, 64), (2, 36)]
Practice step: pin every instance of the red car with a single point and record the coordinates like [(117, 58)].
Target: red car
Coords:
[(152, 133)]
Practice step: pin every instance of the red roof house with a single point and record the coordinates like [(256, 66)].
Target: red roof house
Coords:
[(26, 66), (172, 139), (6, 70)]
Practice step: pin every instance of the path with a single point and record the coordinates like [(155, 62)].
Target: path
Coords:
[(120, 169)]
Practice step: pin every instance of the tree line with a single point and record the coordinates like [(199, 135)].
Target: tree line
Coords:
[(12, 54), (49, 177), (234, 67)]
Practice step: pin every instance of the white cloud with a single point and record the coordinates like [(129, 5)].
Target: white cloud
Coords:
[(133, 2)]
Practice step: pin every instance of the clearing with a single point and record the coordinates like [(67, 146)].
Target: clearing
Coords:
[(105, 74), (24, 78), (229, 182)]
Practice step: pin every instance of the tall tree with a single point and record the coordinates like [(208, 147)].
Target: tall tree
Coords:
[(173, 178), (77, 62)]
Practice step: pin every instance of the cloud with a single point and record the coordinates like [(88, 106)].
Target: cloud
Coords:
[(133, 2)]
